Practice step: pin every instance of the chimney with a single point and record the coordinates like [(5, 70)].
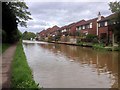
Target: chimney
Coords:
[(99, 16)]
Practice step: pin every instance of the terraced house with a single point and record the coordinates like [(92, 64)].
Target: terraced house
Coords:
[(105, 28), (89, 26), (99, 26)]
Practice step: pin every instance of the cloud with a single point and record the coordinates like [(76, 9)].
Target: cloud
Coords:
[(70, 0), (48, 14)]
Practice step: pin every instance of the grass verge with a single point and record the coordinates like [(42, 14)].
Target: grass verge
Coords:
[(21, 72)]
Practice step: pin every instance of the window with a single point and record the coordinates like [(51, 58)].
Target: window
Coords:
[(80, 28), (83, 27), (90, 25), (87, 26), (102, 24), (77, 29), (106, 23)]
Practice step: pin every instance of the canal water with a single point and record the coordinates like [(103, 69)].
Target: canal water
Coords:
[(65, 66)]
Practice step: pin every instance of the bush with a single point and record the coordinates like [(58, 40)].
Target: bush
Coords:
[(117, 49), (98, 46), (78, 40), (91, 38), (28, 35)]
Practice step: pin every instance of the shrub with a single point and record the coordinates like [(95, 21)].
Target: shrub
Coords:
[(98, 46), (91, 38)]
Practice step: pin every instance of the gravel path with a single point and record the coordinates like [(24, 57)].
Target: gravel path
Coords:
[(5, 66)]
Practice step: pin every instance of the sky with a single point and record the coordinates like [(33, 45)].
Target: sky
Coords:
[(46, 13)]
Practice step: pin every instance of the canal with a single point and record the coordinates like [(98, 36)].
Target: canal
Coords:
[(65, 66)]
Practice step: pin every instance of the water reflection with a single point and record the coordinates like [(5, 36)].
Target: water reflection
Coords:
[(90, 68)]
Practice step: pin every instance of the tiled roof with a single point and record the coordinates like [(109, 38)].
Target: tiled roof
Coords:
[(43, 32), (73, 27), (87, 22), (107, 18), (64, 27)]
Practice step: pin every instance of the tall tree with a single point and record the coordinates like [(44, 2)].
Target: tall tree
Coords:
[(115, 9), (20, 9), (13, 13), (9, 24)]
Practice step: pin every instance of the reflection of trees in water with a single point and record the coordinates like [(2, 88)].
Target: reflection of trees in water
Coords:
[(102, 62)]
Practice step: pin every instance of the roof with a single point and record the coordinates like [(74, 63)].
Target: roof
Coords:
[(80, 22), (64, 27), (70, 25), (73, 27), (86, 22), (107, 18), (53, 29), (43, 32)]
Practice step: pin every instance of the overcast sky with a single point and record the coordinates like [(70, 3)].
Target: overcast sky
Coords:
[(47, 14)]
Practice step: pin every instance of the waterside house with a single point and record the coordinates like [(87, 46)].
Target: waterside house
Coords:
[(105, 28), (99, 26)]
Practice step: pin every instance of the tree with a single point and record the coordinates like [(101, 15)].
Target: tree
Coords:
[(28, 35), (8, 22), (13, 13), (115, 9), (21, 12)]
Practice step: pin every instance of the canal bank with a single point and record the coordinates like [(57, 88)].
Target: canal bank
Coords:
[(67, 66), (21, 74), (91, 45)]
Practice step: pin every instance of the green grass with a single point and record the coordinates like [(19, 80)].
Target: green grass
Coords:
[(21, 72), (98, 46)]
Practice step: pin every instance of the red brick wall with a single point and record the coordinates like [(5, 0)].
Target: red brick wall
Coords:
[(102, 30), (92, 30)]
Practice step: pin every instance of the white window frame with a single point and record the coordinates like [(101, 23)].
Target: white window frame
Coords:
[(91, 25), (83, 27), (106, 23), (80, 28)]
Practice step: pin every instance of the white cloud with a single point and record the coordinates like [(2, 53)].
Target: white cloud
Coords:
[(48, 14), (70, 0)]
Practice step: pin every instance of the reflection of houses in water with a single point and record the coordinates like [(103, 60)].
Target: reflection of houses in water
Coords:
[(100, 62)]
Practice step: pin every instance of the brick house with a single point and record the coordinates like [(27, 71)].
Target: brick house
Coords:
[(88, 27), (105, 28), (73, 31), (41, 35), (64, 30), (53, 30), (98, 26)]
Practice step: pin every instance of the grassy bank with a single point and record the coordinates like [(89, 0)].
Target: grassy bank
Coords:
[(98, 46), (21, 72)]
